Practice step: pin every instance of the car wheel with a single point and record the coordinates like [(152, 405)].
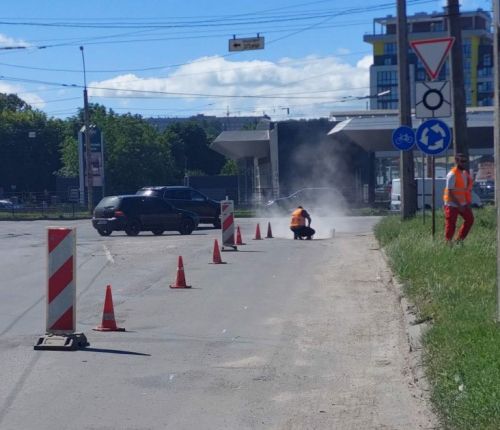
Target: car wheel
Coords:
[(187, 226), (104, 231), (217, 224), (133, 228), (157, 232)]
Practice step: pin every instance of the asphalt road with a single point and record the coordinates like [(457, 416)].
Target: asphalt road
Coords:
[(286, 335)]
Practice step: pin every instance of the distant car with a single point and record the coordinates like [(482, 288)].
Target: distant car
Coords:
[(133, 214), (321, 199), (425, 188), (189, 199), (485, 189), (6, 205)]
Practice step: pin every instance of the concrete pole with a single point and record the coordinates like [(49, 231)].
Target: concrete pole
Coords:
[(88, 152), (460, 143), (407, 169), (496, 56)]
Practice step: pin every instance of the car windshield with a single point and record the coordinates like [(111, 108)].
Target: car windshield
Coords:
[(107, 202)]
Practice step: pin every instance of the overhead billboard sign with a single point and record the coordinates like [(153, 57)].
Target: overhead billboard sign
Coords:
[(246, 44), (432, 53)]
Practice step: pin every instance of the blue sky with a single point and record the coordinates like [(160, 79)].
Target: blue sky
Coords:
[(170, 58)]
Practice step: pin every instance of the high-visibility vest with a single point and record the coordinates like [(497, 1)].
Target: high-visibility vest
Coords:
[(462, 192), (297, 219)]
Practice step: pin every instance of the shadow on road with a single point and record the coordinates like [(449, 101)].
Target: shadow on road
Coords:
[(115, 351)]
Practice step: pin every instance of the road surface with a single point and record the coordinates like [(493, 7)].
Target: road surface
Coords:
[(286, 335)]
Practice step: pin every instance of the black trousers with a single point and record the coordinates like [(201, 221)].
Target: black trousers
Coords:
[(303, 231)]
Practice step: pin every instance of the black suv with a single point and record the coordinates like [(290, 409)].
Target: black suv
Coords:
[(188, 199), (139, 213)]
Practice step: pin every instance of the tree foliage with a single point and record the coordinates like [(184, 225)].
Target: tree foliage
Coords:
[(136, 154)]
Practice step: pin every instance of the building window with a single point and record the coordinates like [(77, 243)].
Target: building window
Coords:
[(390, 48), (487, 60)]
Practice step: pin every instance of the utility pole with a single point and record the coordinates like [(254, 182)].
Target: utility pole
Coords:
[(407, 168), (88, 160), (460, 144), (496, 139)]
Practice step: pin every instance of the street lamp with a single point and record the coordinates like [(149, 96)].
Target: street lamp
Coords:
[(88, 161)]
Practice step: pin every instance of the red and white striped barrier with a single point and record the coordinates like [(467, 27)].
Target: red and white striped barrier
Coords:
[(227, 221), (61, 292), (61, 280)]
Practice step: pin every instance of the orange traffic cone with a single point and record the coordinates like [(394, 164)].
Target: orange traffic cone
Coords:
[(239, 241), (108, 315), (216, 257), (269, 232), (257, 233), (180, 280)]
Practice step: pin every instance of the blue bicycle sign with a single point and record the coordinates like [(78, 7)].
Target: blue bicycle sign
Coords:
[(403, 138)]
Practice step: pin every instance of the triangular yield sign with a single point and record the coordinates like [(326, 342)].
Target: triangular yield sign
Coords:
[(432, 53)]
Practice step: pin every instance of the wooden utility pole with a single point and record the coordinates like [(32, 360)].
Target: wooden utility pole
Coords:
[(460, 143), (407, 168)]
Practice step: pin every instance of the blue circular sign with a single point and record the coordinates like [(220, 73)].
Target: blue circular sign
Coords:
[(433, 137), (403, 138)]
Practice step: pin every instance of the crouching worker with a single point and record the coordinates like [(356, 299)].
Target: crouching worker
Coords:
[(298, 224)]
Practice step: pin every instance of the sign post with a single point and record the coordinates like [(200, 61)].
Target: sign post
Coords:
[(433, 137)]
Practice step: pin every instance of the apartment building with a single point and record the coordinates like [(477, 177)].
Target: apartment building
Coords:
[(477, 46)]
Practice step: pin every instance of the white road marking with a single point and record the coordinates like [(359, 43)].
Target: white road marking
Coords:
[(109, 256)]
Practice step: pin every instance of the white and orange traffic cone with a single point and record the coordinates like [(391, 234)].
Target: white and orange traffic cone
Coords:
[(269, 231), (257, 233), (239, 241), (108, 315), (180, 280), (216, 259)]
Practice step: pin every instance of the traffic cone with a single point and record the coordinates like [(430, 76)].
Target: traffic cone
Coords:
[(269, 232), (257, 233), (216, 257), (108, 315), (239, 241), (180, 280)]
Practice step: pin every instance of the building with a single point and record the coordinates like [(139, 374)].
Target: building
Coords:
[(477, 42), (357, 155)]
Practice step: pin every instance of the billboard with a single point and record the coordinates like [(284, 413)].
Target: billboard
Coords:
[(96, 162)]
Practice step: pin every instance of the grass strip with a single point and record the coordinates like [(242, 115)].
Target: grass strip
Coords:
[(454, 288)]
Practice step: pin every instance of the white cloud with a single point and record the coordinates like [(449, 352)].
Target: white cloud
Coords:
[(30, 98), (6, 41), (343, 51), (310, 86)]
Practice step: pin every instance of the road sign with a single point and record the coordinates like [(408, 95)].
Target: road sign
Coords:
[(432, 53), (433, 137), (433, 99), (246, 44), (403, 138)]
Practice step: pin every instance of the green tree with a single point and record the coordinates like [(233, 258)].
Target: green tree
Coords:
[(230, 168), (190, 149), (29, 146)]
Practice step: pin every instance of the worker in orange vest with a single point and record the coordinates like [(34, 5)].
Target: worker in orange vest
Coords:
[(298, 224), (457, 200)]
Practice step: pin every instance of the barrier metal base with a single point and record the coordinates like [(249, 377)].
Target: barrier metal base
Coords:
[(61, 342), (229, 248)]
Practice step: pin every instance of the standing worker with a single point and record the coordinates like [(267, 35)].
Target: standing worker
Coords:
[(457, 200), (298, 224)]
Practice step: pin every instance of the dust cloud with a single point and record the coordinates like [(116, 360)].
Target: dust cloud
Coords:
[(317, 175)]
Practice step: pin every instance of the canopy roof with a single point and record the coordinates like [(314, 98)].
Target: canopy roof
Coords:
[(374, 133), (241, 144)]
